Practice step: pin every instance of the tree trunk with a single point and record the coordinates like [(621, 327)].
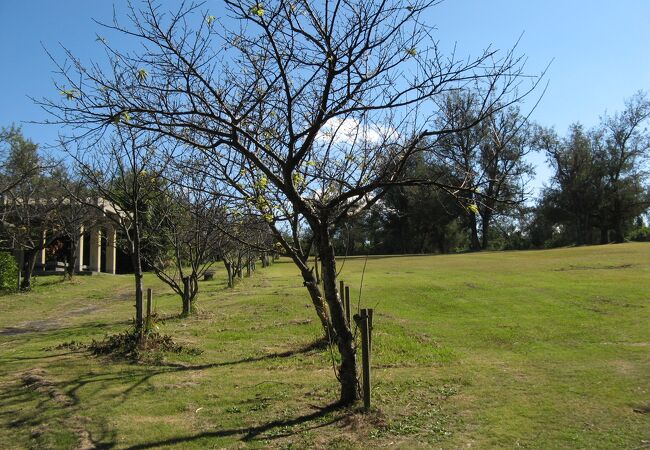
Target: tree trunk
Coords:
[(316, 269), (193, 286), (345, 340), (137, 273), (28, 269), (71, 259), (619, 237), (441, 243), (604, 235), (589, 238), (316, 296), (186, 296), (580, 231), (230, 274), (485, 231), (311, 282), (474, 245)]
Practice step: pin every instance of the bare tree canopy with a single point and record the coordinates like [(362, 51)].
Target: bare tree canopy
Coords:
[(324, 101)]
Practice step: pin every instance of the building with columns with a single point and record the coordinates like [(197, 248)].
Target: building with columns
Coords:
[(101, 255), (96, 250)]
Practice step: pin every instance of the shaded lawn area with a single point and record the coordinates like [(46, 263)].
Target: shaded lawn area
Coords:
[(543, 349)]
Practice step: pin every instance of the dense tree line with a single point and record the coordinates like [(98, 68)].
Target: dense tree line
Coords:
[(598, 192), (599, 189)]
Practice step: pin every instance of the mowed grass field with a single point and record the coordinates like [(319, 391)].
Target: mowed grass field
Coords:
[(541, 349)]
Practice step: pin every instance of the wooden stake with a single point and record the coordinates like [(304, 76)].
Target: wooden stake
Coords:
[(149, 302), (186, 295), (347, 305), (20, 262), (370, 314), (365, 355)]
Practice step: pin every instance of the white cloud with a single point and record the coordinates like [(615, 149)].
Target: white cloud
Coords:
[(350, 130)]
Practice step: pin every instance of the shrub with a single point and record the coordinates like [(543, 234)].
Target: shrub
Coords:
[(641, 234), (8, 272)]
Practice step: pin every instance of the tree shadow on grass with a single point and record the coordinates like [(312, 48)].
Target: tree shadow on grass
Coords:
[(318, 344), (337, 413), (143, 374), (35, 408), (16, 396), (171, 367)]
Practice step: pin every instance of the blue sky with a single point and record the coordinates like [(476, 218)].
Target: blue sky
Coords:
[(599, 48)]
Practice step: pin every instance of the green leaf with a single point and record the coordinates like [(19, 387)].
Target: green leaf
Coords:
[(70, 94), (257, 10), (262, 183), (124, 116)]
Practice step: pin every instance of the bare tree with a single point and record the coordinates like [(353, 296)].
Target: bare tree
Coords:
[(244, 236), (123, 170), (285, 224), (186, 234), (326, 101)]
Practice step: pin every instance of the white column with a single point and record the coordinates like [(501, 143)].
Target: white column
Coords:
[(111, 250), (95, 249), (43, 253), (79, 264)]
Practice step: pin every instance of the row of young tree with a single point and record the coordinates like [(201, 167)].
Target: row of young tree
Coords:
[(302, 119), (169, 221), (307, 112)]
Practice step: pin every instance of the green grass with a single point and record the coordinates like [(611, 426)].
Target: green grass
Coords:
[(546, 349)]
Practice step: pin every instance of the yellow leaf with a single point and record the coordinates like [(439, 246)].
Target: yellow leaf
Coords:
[(70, 94), (257, 10)]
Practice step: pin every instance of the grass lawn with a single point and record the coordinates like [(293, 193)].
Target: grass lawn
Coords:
[(543, 349)]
